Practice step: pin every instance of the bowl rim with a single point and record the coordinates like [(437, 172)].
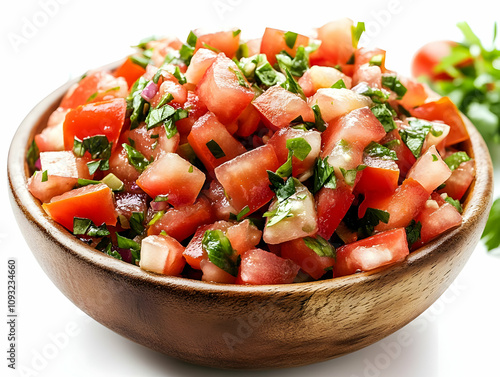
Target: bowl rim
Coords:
[(17, 171)]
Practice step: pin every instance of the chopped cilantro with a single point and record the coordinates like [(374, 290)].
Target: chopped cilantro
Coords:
[(266, 75), (356, 32), (413, 232), (45, 176), (282, 189), (351, 174), (239, 75), (220, 252), (340, 84), (32, 155), (376, 150), (414, 135), (319, 123), (292, 85), (454, 203), (297, 65), (136, 222), (281, 211), (83, 226), (324, 175), (290, 38), (236, 33), (392, 82), (377, 95), (453, 161), (215, 149), (136, 104), (240, 215), (377, 60), (98, 146), (434, 157), (159, 115), (136, 158), (385, 116), (320, 246)]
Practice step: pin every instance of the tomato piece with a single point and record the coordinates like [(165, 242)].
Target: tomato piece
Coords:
[(243, 236), (223, 41), (208, 133), (215, 274), (416, 93), (436, 218), (332, 205), (151, 143), (364, 55), (446, 111), (245, 178), (129, 71), (379, 175), (120, 166), (406, 159), (220, 204), (182, 222), (126, 203), (162, 254), (94, 202), (178, 92), (95, 87), (201, 60), (274, 41), (372, 252), (222, 82), (248, 122), (403, 204), (318, 77), (430, 170), (308, 260), (336, 102), (52, 137), (301, 220), (262, 267), (300, 169), (101, 118), (196, 109), (459, 181), (278, 107), (174, 177), (336, 43)]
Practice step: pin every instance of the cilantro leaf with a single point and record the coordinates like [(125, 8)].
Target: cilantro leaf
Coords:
[(158, 115), (136, 104), (454, 160), (491, 235), (292, 85), (413, 232), (215, 149), (414, 135), (136, 158), (455, 203), (220, 252), (324, 175), (83, 226), (376, 150), (385, 116), (320, 246), (32, 155), (282, 189), (281, 211), (351, 174), (356, 32), (340, 84), (377, 95), (290, 38), (392, 82), (299, 147)]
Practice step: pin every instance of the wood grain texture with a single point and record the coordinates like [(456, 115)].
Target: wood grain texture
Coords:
[(228, 326)]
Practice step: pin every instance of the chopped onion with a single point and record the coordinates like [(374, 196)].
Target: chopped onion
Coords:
[(149, 91)]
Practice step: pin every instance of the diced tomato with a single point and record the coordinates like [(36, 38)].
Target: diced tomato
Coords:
[(379, 175), (372, 252), (120, 166), (222, 41), (446, 111), (222, 82), (436, 218), (406, 159), (364, 55), (245, 178), (278, 107), (94, 202), (151, 143), (371, 75), (460, 180), (215, 274), (195, 109), (336, 102), (95, 87), (174, 177), (332, 205), (208, 133), (178, 92), (201, 60), (302, 221), (403, 204), (101, 118), (300, 169), (274, 41), (248, 122), (52, 137), (129, 71), (430, 170), (318, 77), (194, 252), (127, 203), (182, 222), (162, 254), (220, 204), (243, 236), (262, 267), (162, 47), (336, 43), (415, 95), (308, 260)]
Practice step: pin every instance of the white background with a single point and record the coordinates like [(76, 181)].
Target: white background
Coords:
[(458, 336)]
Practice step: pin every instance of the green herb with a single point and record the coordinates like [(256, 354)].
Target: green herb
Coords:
[(242, 51), (340, 84), (93, 166), (454, 203), (82, 226), (414, 135), (236, 33), (299, 147), (136, 222), (356, 32), (413, 232), (158, 215), (45, 176), (136, 158), (239, 75), (286, 169), (292, 85), (297, 65), (207, 46), (324, 175), (126, 243), (454, 160), (142, 59), (392, 82), (491, 235), (282, 189), (240, 215), (351, 174), (92, 97), (377, 95), (168, 97), (434, 157), (32, 155), (282, 210), (376, 150), (220, 252), (319, 123), (376, 60), (159, 115), (98, 146), (136, 104), (187, 49), (266, 75), (161, 198), (385, 116), (86, 182), (215, 149), (320, 246), (370, 220), (143, 42), (290, 38)]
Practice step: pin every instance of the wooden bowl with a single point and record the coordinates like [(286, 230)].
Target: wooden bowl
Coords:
[(231, 326)]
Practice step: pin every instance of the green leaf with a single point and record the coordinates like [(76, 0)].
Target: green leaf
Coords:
[(319, 123), (282, 210), (340, 84), (285, 170), (413, 232), (320, 246), (376, 150), (392, 82), (32, 155), (297, 65), (239, 75), (136, 222), (377, 95), (83, 226), (370, 220), (158, 215), (136, 104), (376, 60), (356, 32), (350, 175), (126, 243), (324, 175), (299, 147), (454, 203), (158, 115), (135, 158), (292, 85), (454, 160), (282, 189), (266, 75), (491, 235), (215, 149), (85, 182), (385, 116), (290, 38), (45, 176), (143, 42), (236, 33), (414, 135), (220, 252)]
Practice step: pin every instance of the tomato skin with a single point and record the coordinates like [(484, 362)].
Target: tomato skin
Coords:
[(220, 203), (273, 42), (336, 43), (430, 170), (262, 267), (196, 108), (94, 202), (220, 83), (460, 180), (364, 55), (224, 41), (372, 252), (100, 118), (332, 205), (162, 254), (208, 128), (173, 176), (406, 159), (297, 251), (200, 62), (182, 222), (215, 274), (129, 71), (248, 121), (446, 111), (379, 175), (243, 236), (245, 178)]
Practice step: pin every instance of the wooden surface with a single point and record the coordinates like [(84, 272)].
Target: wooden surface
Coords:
[(229, 326)]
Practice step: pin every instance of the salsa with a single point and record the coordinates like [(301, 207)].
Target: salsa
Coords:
[(287, 158)]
